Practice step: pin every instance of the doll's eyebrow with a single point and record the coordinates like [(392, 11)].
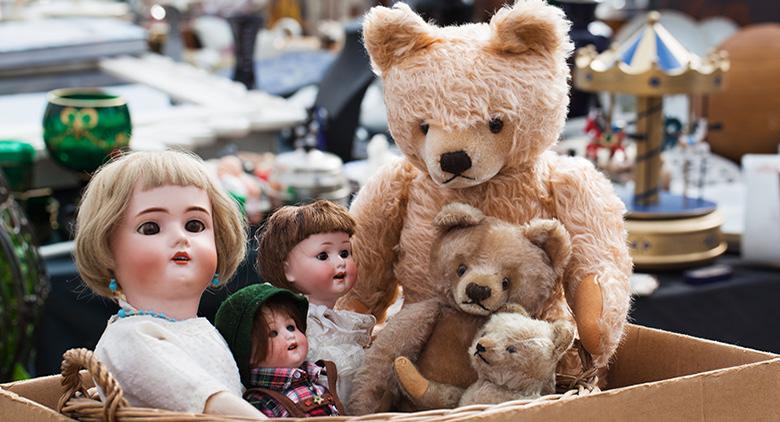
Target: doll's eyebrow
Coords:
[(151, 210), (201, 209)]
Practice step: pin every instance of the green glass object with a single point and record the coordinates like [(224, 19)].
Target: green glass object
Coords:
[(23, 286), (83, 127), (16, 161)]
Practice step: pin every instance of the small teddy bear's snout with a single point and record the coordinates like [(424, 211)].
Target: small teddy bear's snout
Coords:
[(478, 293)]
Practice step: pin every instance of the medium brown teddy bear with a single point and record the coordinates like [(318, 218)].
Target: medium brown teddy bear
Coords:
[(515, 358), (475, 109), (484, 265)]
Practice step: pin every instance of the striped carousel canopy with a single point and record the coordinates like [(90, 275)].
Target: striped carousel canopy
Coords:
[(650, 62), (653, 43)]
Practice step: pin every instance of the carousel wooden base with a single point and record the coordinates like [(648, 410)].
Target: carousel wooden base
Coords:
[(673, 243)]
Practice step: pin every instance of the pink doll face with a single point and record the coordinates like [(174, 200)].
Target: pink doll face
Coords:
[(321, 266), (164, 249), (287, 345)]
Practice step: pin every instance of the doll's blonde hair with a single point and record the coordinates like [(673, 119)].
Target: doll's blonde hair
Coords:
[(291, 225), (105, 201)]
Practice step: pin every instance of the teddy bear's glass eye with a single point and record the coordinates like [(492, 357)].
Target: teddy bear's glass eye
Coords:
[(461, 270), (505, 283), (496, 125), (511, 349), (424, 128)]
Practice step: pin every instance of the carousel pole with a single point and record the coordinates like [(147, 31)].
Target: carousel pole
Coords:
[(647, 180)]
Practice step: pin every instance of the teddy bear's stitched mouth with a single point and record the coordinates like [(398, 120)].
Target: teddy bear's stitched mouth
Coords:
[(456, 176), (478, 304), (479, 355)]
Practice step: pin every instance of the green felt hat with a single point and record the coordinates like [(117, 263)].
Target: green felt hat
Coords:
[(236, 316)]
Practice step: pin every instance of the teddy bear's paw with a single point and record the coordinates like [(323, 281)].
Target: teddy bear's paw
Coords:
[(409, 378)]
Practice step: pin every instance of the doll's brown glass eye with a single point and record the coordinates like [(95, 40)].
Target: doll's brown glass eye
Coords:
[(505, 283), (273, 334), (495, 125), (194, 226), (322, 256), (344, 254), (424, 128), (461, 270), (149, 228), (290, 328), (511, 349)]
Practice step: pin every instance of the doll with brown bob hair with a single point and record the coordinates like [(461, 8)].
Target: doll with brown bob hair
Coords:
[(307, 249), (153, 231)]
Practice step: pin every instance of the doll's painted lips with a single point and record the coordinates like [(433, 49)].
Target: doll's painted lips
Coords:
[(292, 346), (181, 258), (340, 276)]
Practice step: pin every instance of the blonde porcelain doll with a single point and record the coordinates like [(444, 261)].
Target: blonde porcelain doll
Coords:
[(154, 230), (307, 249)]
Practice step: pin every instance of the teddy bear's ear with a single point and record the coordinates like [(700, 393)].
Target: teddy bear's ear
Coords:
[(553, 239), (457, 215), (528, 25), (393, 34), (564, 337)]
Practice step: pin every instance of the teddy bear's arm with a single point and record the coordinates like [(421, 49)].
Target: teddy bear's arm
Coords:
[(374, 389), (596, 279), (379, 210)]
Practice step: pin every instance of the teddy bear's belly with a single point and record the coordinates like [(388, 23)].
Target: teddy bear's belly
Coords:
[(445, 358)]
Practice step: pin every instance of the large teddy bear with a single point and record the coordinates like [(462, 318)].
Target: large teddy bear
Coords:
[(474, 109), (485, 265)]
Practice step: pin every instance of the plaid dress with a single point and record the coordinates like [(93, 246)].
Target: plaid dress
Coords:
[(301, 385)]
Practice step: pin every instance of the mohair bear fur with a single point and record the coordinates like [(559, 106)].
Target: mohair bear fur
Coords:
[(515, 358), (484, 265), (474, 109)]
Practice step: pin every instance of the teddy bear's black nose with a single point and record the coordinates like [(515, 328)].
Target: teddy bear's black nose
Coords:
[(480, 348), (477, 293), (455, 162)]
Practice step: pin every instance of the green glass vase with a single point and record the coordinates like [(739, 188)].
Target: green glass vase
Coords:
[(83, 127)]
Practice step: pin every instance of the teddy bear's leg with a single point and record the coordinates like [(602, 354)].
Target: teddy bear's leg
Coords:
[(423, 393), (373, 389)]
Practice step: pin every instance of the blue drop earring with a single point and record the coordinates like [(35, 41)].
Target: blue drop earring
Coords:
[(215, 280), (112, 285)]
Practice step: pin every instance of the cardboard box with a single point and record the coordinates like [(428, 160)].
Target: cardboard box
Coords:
[(656, 376)]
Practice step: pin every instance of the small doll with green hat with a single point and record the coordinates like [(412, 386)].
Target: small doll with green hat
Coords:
[(264, 327)]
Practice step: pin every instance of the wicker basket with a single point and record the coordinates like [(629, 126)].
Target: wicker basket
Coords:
[(84, 405)]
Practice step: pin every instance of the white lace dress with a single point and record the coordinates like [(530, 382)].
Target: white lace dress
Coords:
[(339, 336)]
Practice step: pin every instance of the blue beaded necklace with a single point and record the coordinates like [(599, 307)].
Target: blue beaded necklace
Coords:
[(124, 313)]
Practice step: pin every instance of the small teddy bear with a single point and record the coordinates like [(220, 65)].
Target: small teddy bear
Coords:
[(515, 358), (484, 265)]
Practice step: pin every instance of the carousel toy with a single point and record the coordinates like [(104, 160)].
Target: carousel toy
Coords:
[(665, 230)]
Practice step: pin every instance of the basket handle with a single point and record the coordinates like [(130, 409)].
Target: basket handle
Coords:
[(587, 379), (73, 361)]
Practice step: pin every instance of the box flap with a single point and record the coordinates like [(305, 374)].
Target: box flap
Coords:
[(746, 393), (44, 390), (647, 355), (14, 407)]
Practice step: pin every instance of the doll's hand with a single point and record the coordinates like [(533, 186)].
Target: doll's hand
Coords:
[(224, 403)]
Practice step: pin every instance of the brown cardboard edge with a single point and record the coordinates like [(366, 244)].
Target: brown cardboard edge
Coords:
[(747, 392), (14, 407), (647, 355)]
